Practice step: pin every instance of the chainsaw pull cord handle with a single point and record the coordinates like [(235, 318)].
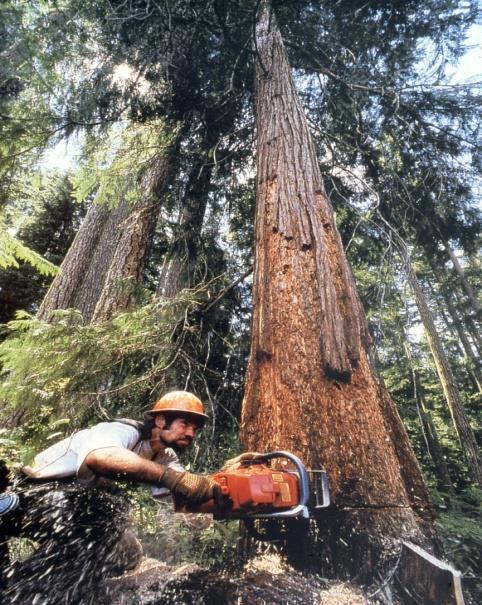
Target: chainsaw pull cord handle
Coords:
[(304, 486)]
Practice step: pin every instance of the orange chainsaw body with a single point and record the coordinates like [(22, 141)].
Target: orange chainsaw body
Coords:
[(253, 488)]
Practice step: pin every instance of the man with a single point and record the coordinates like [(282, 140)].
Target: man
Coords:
[(68, 504)]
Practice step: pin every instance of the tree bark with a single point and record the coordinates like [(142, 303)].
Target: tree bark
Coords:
[(68, 281), (476, 308), (88, 293), (309, 386), (452, 396), (127, 264)]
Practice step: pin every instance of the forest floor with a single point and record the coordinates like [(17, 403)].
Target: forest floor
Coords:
[(263, 581)]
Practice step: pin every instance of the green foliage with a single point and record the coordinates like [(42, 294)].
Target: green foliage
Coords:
[(66, 366), (461, 534), (116, 158), (12, 251), (45, 217), (397, 144), (19, 446), (85, 373)]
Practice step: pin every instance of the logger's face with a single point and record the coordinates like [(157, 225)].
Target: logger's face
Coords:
[(178, 433)]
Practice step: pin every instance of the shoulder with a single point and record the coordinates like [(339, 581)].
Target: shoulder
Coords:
[(121, 433)]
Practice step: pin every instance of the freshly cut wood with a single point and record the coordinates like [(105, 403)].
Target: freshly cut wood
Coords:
[(425, 580)]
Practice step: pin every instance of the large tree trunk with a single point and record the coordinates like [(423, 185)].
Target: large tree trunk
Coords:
[(127, 264), (309, 386), (474, 303), (462, 426), (106, 258), (87, 295), (68, 283)]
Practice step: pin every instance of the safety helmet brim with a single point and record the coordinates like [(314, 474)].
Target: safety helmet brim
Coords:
[(181, 403), (200, 418)]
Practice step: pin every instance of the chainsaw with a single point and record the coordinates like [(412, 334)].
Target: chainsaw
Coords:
[(257, 491)]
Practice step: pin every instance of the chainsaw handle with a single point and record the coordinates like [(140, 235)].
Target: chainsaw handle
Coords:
[(304, 485)]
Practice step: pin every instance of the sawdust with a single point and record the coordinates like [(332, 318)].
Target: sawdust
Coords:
[(342, 594), (266, 580), (271, 563)]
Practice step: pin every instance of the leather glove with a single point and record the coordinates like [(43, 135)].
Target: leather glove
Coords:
[(190, 487), (236, 462)]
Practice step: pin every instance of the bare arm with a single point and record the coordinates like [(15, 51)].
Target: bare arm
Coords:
[(120, 463)]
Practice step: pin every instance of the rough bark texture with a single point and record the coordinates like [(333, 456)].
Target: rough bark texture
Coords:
[(310, 387), (452, 396), (127, 264), (87, 295), (292, 203), (68, 282)]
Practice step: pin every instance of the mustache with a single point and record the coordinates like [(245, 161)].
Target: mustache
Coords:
[(181, 447), (187, 438)]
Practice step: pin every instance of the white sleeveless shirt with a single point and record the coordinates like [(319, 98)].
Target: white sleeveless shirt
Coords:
[(67, 457)]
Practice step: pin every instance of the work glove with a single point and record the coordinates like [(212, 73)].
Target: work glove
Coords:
[(236, 462), (191, 488)]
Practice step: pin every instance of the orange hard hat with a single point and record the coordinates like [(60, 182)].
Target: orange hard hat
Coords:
[(183, 402)]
